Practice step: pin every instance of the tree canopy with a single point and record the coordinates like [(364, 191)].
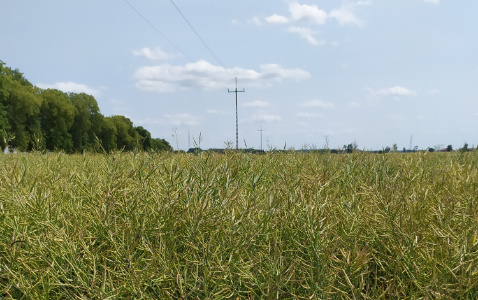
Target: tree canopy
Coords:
[(35, 119)]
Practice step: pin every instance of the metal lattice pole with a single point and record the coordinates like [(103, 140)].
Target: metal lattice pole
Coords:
[(261, 130), (237, 119)]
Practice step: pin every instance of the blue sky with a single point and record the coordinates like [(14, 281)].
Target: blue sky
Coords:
[(314, 72)]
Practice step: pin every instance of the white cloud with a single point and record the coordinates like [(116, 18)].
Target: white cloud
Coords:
[(276, 19), (363, 3), (307, 13), (265, 117), (317, 103), (397, 91), (183, 119), (149, 121), (216, 112), (203, 75), (71, 87), (345, 16), (432, 1), (257, 103), (255, 21), (308, 115), (153, 54), (397, 117), (314, 16), (307, 34), (355, 104)]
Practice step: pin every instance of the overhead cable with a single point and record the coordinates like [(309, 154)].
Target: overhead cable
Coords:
[(158, 31), (197, 34)]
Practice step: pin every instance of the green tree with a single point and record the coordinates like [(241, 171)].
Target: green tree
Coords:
[(4, 128), (87, 121), (57, 116), (31, 118), (159, 145), (144, 138), (351, 147), (465, 148), (107, 134), (126, 135), (21, 107)]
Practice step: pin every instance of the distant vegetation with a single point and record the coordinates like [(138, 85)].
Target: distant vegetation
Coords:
[(36, 119)]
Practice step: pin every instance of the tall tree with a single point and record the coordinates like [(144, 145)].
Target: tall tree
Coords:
[(144, 138), (108, 134), (126, 135), (21, 106), (86, 123), (31, 117), (57, 116), (159, 145), (3, 127)]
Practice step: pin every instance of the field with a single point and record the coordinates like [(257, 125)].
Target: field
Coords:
[(239, 226)]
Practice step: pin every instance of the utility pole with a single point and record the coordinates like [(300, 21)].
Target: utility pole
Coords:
[(261, 130), (237, 123)]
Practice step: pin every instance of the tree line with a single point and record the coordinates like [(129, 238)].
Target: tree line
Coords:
[(32, 118)]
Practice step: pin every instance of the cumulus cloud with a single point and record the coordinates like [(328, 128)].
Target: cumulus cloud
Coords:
[(397, 91), (255, 21), (364, 3), (312, 15), (71, 87), (345, 16), (206, 76), (216, 112), (257, 103), (317, 103), (307, 13), (308, 115), (266, 117), (276, 19), (307, 34), (300, 13), (149, 121), (152, 54), (182, 119)]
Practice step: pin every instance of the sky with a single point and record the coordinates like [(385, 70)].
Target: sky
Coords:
[(314, 73)]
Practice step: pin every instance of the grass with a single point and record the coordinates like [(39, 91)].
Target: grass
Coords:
[(234, 225)]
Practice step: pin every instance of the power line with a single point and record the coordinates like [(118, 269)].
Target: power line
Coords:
[(197, 34), (158, 31)]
